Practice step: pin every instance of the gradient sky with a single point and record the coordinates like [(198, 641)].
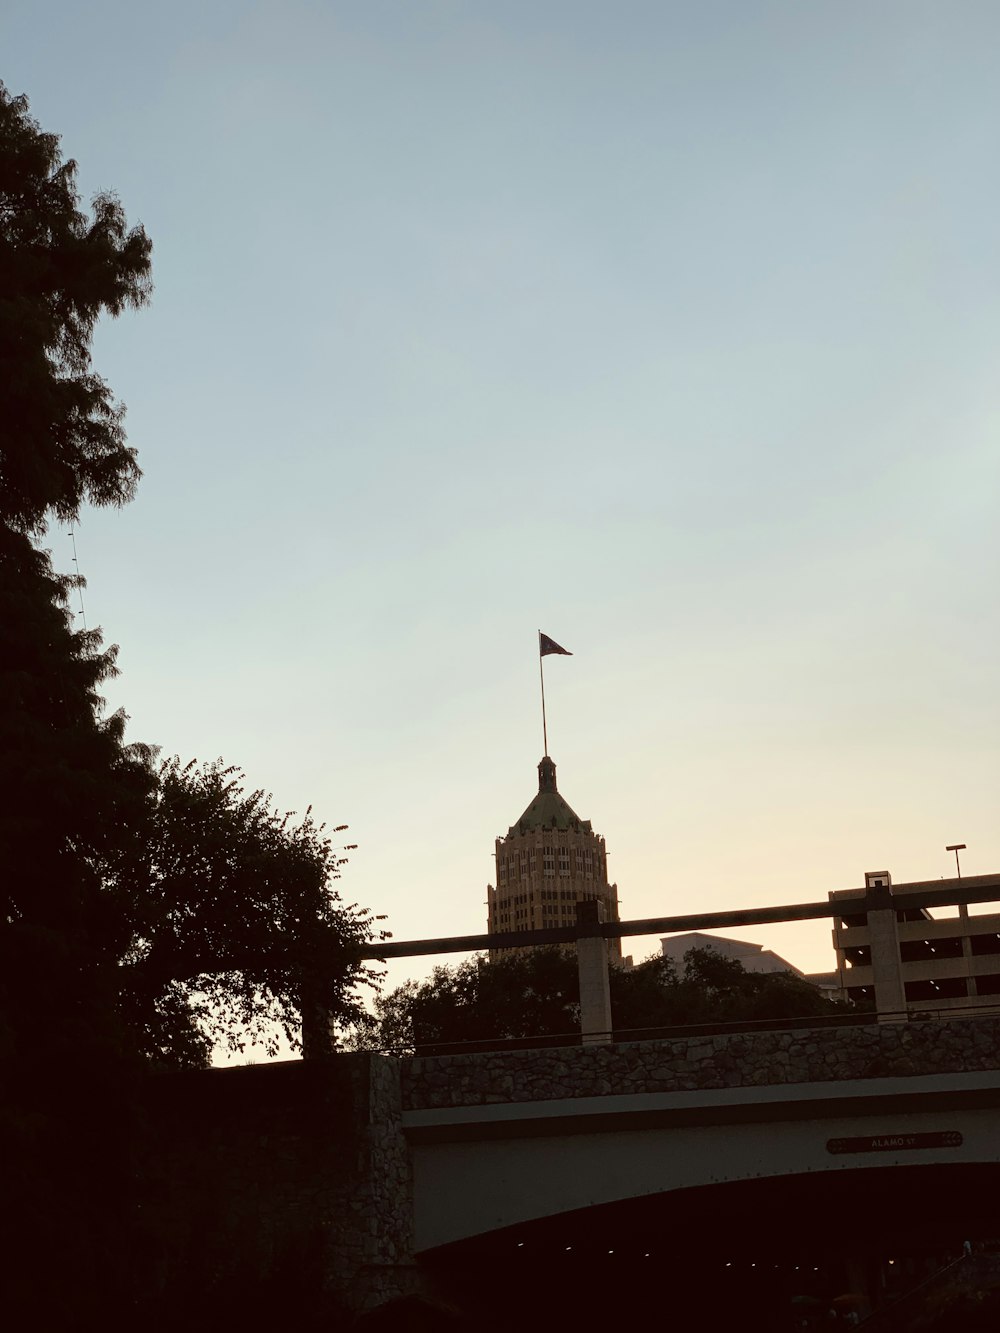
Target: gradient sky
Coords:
[(671, 329)]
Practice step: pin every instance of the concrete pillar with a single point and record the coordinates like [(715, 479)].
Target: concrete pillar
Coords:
[(968, 960), (887, 968), (592, 963)]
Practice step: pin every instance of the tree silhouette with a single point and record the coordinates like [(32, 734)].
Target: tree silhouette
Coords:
[(147, 910), (186, 905), (535, 994), (232, 904), (62, 438)]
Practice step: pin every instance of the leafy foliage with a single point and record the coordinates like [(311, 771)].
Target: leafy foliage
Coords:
[(68, 783), (68, 786), (533, 994), (233, 905), (145, 911), (62, 437), (536, 994), (710, 989)]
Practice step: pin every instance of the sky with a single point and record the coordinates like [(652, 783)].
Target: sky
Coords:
[(671, 329)]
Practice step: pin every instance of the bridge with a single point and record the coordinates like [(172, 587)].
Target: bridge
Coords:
[(380, 1174), (884, 1136), (498, 1140)]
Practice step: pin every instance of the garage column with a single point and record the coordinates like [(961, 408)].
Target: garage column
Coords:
[(887, 968)]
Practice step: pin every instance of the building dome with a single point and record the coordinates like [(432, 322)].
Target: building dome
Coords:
[(548, 810)]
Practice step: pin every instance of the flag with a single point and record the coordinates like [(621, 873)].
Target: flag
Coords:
[(547, 646)]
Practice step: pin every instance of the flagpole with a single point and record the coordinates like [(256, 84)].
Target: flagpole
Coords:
[(541, 676)]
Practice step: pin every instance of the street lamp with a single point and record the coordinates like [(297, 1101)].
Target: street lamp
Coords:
[(956, 847)]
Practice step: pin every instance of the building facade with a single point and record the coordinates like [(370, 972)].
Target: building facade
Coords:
[(910, 962), (546, 863)]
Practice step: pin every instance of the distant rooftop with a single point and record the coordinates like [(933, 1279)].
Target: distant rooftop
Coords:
[(751, 957)]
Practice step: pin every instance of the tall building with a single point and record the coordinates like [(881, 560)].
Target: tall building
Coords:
[(547, 862)]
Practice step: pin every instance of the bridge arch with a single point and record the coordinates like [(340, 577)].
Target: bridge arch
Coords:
[(722, 1255), (480, 1170)]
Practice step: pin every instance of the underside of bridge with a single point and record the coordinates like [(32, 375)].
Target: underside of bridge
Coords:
[(772, 1254)]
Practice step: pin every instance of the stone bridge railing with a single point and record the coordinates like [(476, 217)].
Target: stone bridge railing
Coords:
[(690, 1064)]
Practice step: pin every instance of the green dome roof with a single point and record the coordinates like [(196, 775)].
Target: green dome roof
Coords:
[(548, 809)]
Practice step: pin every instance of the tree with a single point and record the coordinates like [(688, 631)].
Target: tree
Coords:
[(67, 779), (68, 786), (68, 782), (62, 438), (173, 894), (711, 989), (536, 994), (232, 904), (145, 911)]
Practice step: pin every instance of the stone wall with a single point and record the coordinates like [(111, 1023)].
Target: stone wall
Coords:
[(687, 1064), (276, 1192), (385, 1261)]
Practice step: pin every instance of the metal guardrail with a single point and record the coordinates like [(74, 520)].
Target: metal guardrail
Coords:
[(904, 897), (668, 1032), (661, 1032), (672, 1031)]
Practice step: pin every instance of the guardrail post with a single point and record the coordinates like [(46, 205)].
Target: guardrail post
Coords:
[(592, 963)]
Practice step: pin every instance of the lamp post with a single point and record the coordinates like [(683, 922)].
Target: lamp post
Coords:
[(956, 847)]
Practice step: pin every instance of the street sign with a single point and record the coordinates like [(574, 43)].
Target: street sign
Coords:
[(949, 1138)]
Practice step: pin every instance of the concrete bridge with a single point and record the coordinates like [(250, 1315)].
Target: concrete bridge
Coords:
[(362, 1174), (368, 1172), (501, 1140)]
